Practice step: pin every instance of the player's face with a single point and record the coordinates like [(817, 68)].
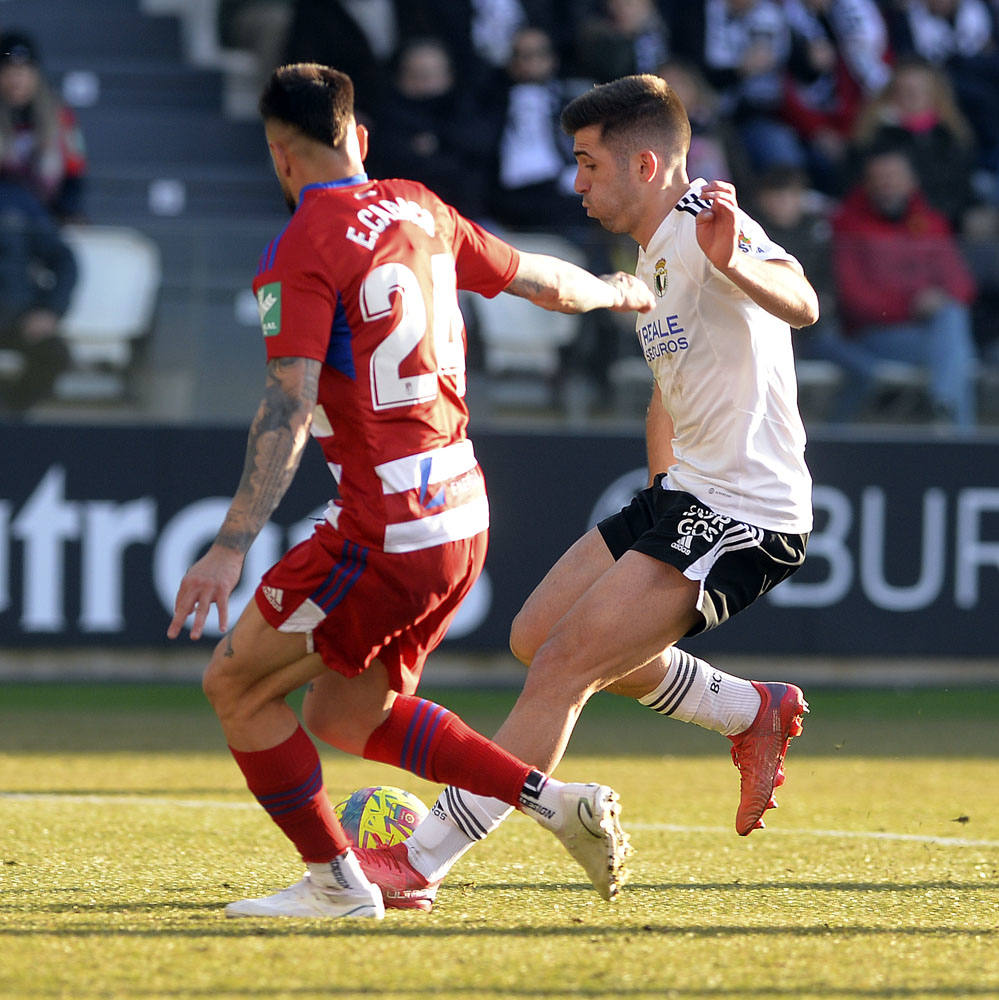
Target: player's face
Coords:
[(604, 181)]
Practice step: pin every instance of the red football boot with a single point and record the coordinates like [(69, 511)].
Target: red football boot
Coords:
[(758, 752), (403, 887)]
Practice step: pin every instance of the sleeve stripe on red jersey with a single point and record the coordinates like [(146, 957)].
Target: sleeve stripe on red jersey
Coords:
[(270, 253)]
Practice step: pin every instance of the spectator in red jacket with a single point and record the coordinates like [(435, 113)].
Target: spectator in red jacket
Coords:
[(40, 143), (904, 288)]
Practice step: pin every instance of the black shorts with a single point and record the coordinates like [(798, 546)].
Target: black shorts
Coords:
[(734, 562)]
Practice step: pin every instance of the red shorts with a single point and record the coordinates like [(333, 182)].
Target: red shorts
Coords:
[(359, 604)]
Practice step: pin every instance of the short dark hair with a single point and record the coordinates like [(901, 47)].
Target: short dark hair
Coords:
[(317, 100), (633, 111)]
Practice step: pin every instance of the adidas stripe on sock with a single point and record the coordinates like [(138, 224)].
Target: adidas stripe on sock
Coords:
[(457, 820), (694, 691)]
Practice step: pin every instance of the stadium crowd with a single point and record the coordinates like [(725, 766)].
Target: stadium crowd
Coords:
[(858, 132)]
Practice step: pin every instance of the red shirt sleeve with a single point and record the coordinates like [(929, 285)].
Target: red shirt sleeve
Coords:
[(296, 304), (485, 263)]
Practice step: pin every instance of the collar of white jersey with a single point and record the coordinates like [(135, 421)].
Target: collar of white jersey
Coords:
[(690, 202)]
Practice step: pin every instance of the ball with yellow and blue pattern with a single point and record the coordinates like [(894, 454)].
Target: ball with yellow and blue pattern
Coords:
[(380, 815)]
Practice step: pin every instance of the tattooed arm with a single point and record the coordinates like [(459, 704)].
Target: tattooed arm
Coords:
[(277, 438), (555, 284)]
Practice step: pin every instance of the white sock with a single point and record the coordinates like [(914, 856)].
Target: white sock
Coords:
[(694, 691), (540, 798), (343, 873), (457, 820)]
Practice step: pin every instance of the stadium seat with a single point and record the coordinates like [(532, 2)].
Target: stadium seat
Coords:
[(521, 343), (901, 393), (988, 392), (631, 381), (818, 383), (112, 305)]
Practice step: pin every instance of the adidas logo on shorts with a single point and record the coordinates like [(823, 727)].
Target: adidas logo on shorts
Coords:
[(275, 597)]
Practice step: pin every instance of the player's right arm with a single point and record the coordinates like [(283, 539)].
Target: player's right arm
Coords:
[(277, 439), (555, 284)]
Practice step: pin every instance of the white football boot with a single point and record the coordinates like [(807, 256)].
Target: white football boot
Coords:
[(590, 830), (309, 899)]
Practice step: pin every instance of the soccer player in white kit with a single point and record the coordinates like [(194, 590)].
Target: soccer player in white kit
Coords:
[(728, 509)]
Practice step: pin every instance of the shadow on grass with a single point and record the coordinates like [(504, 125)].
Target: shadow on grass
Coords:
[(654, 992), (167, 906), (627, 924), (247, 927), (735, 886)]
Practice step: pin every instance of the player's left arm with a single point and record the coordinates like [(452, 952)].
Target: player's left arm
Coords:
[(779, 286), (277, 439), (559, 286), (659, 435)]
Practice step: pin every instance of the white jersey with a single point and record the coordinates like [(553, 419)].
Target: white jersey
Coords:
[(725, 369)]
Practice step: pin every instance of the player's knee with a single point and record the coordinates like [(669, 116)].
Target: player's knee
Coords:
[(557, 675), (344, 727), (221, 687), (523, 643), (212, 687), (320, 720), (518, 649)]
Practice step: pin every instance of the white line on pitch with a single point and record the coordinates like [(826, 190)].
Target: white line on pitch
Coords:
[(168, 803), (855, 834), (124, 800)]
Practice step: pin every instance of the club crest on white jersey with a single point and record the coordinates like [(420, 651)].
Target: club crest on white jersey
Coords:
[(660, 277)]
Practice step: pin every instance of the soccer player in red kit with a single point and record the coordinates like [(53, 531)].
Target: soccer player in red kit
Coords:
[(366, 351)]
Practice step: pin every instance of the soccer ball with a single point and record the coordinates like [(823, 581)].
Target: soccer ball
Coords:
[(380, 816)]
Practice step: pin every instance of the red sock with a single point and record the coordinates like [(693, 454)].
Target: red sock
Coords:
[(287, 781), (435, 744)]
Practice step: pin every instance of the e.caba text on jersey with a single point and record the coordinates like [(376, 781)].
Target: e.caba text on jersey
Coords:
[(377, 217)]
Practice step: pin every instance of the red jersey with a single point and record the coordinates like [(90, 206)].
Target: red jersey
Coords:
[(364, 278)]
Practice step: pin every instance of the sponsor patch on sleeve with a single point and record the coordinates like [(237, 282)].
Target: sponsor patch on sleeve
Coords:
[(269, 307)]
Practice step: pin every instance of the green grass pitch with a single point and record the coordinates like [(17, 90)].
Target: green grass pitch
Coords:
[(125, 828)]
